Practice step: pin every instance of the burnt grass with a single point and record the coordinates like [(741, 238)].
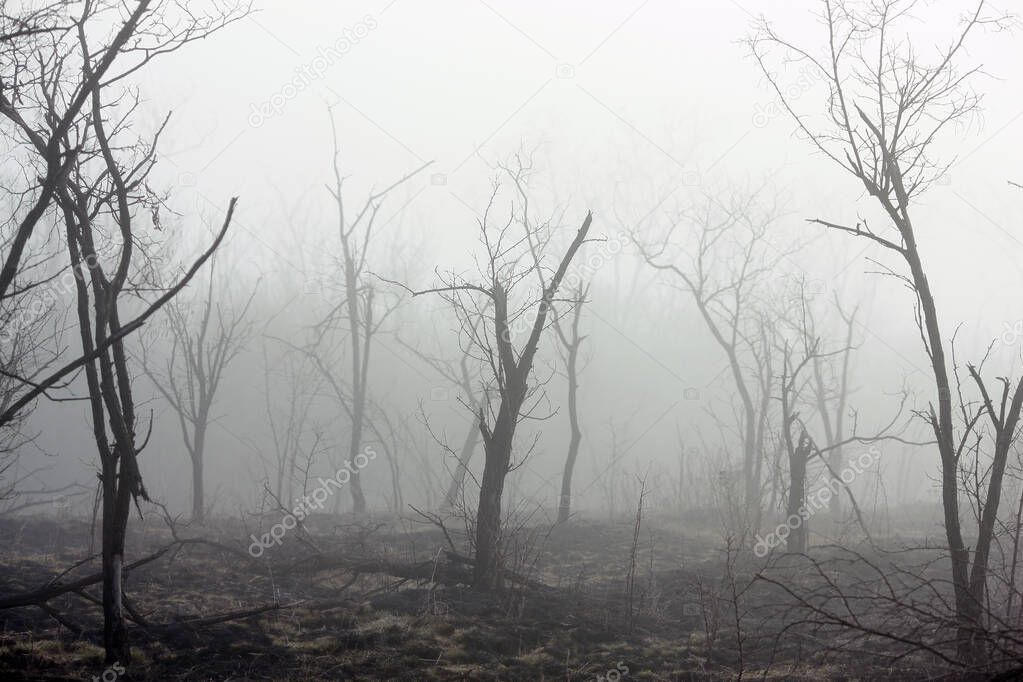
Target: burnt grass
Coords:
[(574, 620)]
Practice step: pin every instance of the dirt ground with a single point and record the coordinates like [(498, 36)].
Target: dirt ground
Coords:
[(590, 609)]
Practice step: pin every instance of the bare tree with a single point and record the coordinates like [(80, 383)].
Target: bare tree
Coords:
[(831, 392), (805, 356), (489, 311), (204, 342), (77, 121), (800, 448), (728, 262), (570, 344), (37, 47), (108, 375), (360, 313), (288, 379), (886, 107)]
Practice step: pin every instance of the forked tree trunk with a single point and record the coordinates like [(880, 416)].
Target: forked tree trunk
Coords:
[(111, 403), (498, 441), (497, 448), (1005, 419)]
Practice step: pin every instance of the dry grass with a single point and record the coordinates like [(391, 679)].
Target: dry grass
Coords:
[(381, 628)]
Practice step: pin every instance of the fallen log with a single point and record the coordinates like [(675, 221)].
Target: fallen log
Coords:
[(55, 588)]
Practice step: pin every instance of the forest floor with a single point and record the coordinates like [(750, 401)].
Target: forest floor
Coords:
[(333, 603)]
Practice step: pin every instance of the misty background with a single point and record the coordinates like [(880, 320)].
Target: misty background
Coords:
[(633, 110)]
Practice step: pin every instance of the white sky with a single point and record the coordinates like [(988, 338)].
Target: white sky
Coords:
[(627, 100)]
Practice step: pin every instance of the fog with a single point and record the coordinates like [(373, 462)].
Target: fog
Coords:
[(690, 140)]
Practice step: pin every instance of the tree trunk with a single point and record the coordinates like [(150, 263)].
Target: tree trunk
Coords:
[(114, 523), (946, 448), (358, 499), (198, 503), (487, 567), (796, 541), (565, 506), (361, 365), (836, 462), (198, 487), (497, 442), (571, 343), (1005, 424)]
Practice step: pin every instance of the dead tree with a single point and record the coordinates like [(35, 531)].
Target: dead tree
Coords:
[(831, 393), (203, 345), (107, 372), (886, 106), (489, 312), (33, 43), (34, 281), (804, 415), (359, 313), (97, 176), (729, 260), (519, 174), (570, 344), (800, 448), (292, 383)]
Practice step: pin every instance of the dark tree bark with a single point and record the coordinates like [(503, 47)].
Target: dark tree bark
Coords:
[(497, 442), (884, 142), (799, 455), (512, 369)]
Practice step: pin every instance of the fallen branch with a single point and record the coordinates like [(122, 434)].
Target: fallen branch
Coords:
[(55, 588)]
